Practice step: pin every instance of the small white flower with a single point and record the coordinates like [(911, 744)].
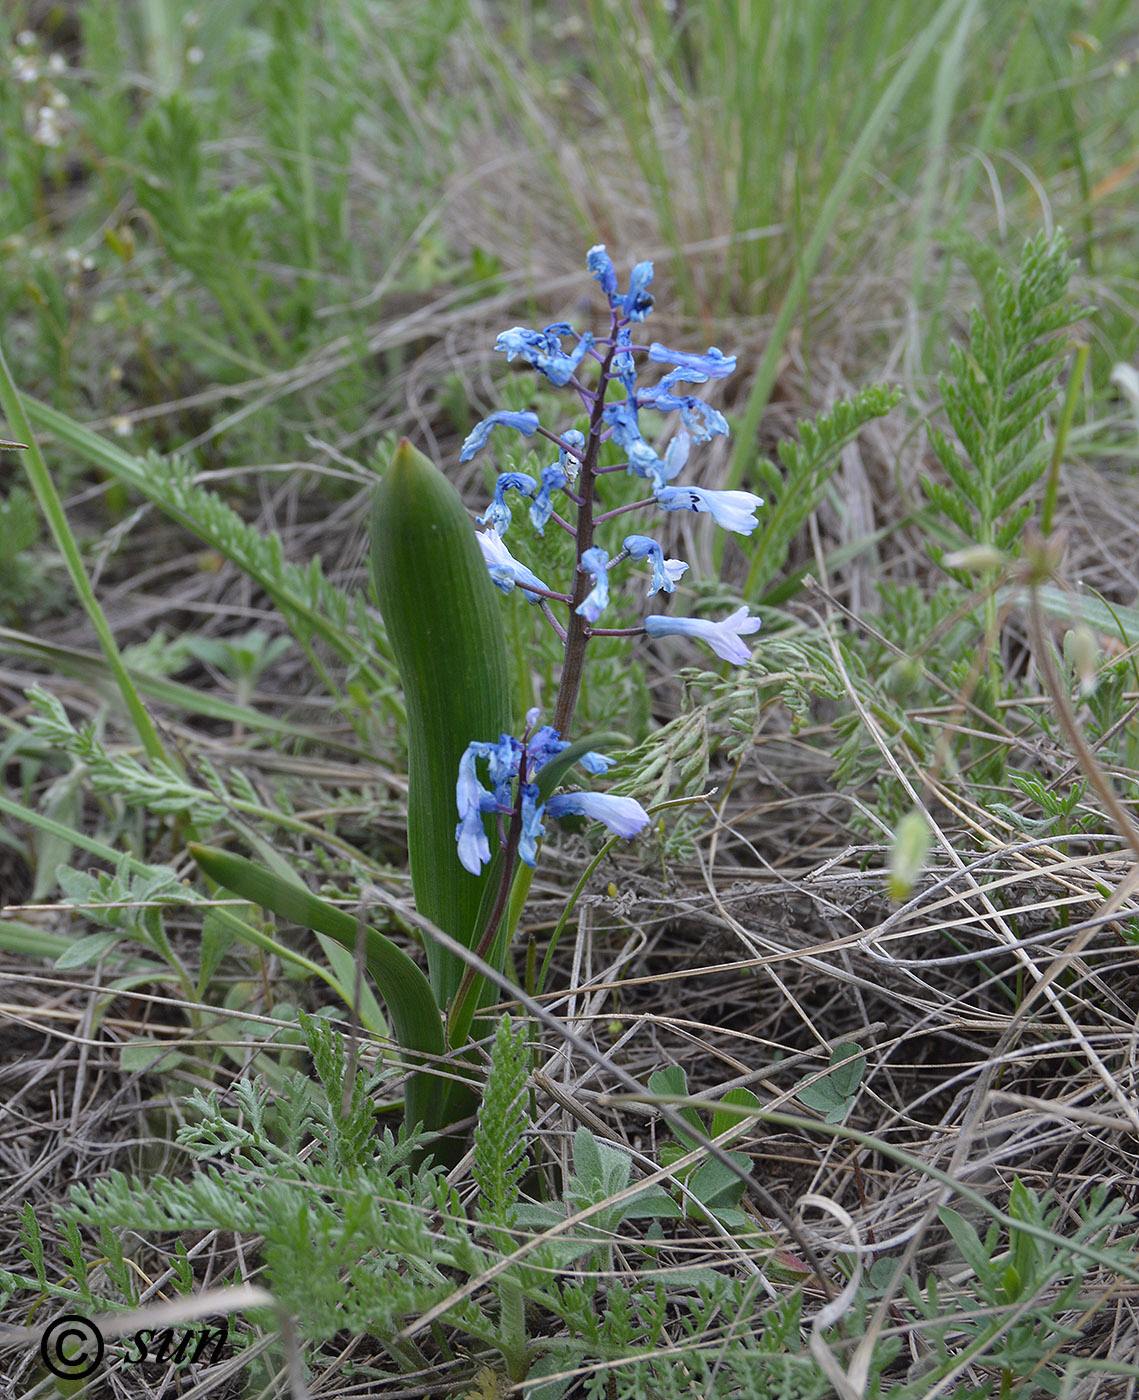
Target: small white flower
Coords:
[(47, 131)]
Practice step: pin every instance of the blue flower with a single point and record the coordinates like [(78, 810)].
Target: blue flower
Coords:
[(622, 815), (498, 512), (474, 849), (666, 572), (543, 350), (723, 637), (543, 745), (731, 510), (601, 266), (676, 454), (526, 423), (594, 562), (623, 418), (553, 479), (570, 462), (505, 570), (623, 365), (637, 303), (594, 762), (532, 828), (644, 462), (700, 418), (510, 759), (714, 365)]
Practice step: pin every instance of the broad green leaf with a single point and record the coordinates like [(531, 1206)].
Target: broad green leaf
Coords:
[(716, 1186), (834, 1093), (673, 1080), (600, 1171), (724, 1118), (847, 1077), (446, 633), (139, 1056)]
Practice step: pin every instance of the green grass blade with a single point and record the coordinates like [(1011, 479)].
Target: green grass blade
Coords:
[(303, 618), (855, 163), (52, 507)]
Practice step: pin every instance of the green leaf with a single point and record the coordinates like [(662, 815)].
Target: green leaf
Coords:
[(653, 1204), (847, 1077), (343, 964), (500, 1159), (834, 1093), (724, 1118), (673, 1080), (446, 633), (86, 950), (217, 939), (600, 1171), (968, 1242), (716, 1186), (406, 992), (139, 1056)]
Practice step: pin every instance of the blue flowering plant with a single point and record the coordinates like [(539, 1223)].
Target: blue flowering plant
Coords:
[(435, 580), (613, 402)]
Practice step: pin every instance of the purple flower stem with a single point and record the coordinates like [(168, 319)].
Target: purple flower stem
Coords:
[(553, 621), (577, 633), (483, 947), (557, 519), (544, 592)]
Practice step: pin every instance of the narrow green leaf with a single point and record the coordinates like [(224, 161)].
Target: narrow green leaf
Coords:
[(406, 992), (967, 1241), (86, 950), (52, 507)]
